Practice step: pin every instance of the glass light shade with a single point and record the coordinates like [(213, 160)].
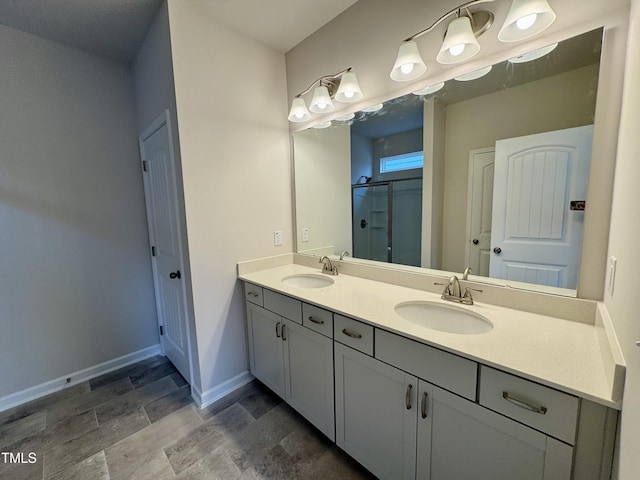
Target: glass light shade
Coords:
[(349, 90), (409, 64), (373, 108), (322, 125), (459, 44), (429, 89), (347, 117), (525, 19), (321, 101), (467, 77), (299, 111), (534, 54)]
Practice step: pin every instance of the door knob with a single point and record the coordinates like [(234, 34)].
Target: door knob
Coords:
[(497, 250), (475, 241), (174, 275), (363, 223)]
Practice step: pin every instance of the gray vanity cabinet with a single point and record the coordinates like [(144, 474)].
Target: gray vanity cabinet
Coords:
[(376, 414), (295, 362)]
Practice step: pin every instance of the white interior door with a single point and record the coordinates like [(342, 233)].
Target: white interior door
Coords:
[(164, 232), (479, 210), (536, 237)]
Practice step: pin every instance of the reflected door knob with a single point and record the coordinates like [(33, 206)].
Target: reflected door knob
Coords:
[(497, 250), (174, 275), (363, 223), (475, 241)]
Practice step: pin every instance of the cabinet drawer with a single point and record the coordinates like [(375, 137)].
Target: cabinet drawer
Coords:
[(446, 370), (353, 334), (282, 305), (253, 293), (317, 319), (540, 407)]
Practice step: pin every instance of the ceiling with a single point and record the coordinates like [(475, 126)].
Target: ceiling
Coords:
[(116, 28)]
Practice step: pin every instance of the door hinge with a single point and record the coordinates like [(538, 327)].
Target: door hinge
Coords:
[(145, 165), (153, 251), (161, 330)]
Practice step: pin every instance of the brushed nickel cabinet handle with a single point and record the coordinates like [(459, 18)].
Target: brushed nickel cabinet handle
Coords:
[(351, 334), (407, 399), (284, 337), (423, 406), (509, 397), (277, 330), (253, 294), (315, 320)]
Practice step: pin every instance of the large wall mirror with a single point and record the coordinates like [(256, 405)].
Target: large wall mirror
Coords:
[(488, 171)]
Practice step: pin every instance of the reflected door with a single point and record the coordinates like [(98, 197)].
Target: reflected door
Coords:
[(371, 238), (536, 235), (406, 222), (479, 206)]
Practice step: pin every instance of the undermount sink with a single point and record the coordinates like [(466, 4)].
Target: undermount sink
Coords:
[(445, 318), (308, 280)]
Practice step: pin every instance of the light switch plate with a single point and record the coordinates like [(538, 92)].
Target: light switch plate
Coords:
[(613, 262), (305, 234), (277, 238)]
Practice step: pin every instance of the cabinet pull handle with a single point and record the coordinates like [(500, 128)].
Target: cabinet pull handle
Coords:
[(351, 334), (407, 399), (284, 337), (523, 404), (315, 320), (253, 294), (423, 406), (277, 331)]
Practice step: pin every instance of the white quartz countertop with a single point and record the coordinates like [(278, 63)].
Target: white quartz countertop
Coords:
[(558, 353)]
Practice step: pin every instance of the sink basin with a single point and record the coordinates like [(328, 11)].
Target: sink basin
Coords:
[(308, 280), (445, 318)]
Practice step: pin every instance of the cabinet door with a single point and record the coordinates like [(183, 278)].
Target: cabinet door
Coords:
[(309, 375), (460, 439), (265, 347), (376, 414)]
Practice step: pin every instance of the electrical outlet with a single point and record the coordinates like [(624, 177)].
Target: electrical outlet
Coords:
[(277, 238), (305, 234), (613, 262)]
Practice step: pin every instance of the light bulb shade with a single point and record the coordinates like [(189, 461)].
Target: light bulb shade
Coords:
[(536, 11), (299, 111), (459, 44), (409, 64), (430, 89), (349, 90), (321, 101)]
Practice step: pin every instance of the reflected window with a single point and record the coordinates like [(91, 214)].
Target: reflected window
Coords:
[(399, 163)]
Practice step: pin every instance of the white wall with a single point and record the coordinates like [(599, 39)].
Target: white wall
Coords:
[(75, 284), (322, 188), (155, 93), (623, 305), (232, 120)]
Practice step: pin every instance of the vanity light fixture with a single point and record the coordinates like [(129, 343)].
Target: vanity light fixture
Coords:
[(373, 108), (322, 125), (430, 89), (526, 18), (467, 77), (342, 86), (534, 54), (347, 117)]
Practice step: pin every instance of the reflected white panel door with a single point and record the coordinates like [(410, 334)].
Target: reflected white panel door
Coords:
[(479, 210), (536, 237), (164, 232)]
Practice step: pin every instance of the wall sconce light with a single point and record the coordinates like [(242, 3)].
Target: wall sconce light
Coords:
[(525, 19), (342, 87)]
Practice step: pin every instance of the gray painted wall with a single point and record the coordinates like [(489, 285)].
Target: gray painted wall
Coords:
[(75, 276)]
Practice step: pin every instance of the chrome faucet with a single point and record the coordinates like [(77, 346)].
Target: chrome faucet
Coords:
[(327, 266), (344, 254), (465, 274), (453, 292)]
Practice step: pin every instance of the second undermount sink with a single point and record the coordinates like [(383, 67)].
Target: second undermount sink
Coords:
[(308, 280), (445, 318)]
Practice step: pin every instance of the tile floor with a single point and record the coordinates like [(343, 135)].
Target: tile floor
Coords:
[(141, 423)]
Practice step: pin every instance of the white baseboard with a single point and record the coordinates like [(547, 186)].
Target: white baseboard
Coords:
[(219, 391), (37, 391)]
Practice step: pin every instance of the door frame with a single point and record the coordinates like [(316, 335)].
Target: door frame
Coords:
[(165, 119)]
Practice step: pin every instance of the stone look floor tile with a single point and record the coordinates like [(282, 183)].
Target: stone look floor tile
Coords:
[(92, 468), (152, 374), (66, 454), (28, 471), (153, 466), (207, 437), (216, 464), (25, 427), (134, 399), (169, 403), (305, 445), (229, 400), (276, 464), (260, 401), (135, 369), (130, 453), (178, 380)]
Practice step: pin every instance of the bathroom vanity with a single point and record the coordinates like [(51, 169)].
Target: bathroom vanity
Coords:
[(528, 396)]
